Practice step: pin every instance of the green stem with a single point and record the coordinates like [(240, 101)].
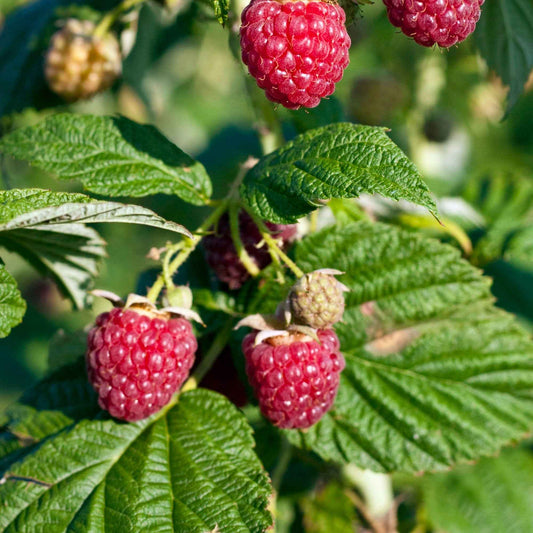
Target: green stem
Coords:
[(187, 246), (376, 490), (219, 343), (244, 258), (273, 245), (282, 465), (109, 18), (268, 124)]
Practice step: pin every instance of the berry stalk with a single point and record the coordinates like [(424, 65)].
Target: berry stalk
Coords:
[(188, 246), (273, 246), (109, 18)]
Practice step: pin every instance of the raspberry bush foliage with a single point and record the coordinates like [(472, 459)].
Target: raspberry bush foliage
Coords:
[(266, 266)]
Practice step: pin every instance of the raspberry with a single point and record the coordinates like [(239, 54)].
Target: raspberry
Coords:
[(294, 378), (296, 51), (79, 65), (222, 256), (444, 22), (317, 300), (136, 362)]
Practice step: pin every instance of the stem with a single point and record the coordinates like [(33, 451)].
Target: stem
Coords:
[(273, 245), (244, 258), (187, 246), (219, 343), (109, 18), (377, 493), (283, 463)]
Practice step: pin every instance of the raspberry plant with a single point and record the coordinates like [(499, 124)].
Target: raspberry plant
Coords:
[(324, 324)]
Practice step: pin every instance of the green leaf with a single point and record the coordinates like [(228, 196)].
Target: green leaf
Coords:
[(506, 201), (12, 306), (505, 39), (493, 496), (337, 161), (328, 510), (113, 156), (48, 229), (189, 469), (435, 374), (220, 9)]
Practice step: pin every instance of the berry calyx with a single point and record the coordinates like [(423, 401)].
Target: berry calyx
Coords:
[(78, 64), (297, 51), (295, 377), (429, 22), (221, 254), (137, 358), (317, 300)]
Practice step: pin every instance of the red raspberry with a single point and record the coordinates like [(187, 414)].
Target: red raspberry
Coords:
[(295, 382), (444, 22), (296, 51), (137, 362), (222, 256)]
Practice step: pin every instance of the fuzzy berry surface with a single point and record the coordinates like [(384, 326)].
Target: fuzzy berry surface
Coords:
[(296, 51), (295, 383), (429, 22), (79, 65), (221, 254), (317, 300), (136, 362)]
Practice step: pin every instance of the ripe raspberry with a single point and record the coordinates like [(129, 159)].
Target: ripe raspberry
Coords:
[(222, 256), (137, 362), (78, 64), (297, 51), (295, 381), (444, 22), (317, 300)]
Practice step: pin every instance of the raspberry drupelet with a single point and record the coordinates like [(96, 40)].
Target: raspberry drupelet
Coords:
[(296, 50), (136, 362), (429, 22), (295, 378)]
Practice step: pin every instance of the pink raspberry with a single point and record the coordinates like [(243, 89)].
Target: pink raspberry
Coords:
[(444, 22), (296, 51), (137, 362), (295, 382), (222, 255)]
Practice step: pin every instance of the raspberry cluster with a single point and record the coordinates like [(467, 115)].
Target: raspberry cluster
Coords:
[(429, 22), (222, 256), (136, 362), (295, 378), (78, 64), (296, 50)]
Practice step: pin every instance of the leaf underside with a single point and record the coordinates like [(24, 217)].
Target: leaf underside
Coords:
[(48, 229)]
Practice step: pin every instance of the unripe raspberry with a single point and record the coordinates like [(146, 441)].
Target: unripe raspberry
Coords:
[(78, 64), (296, 50), (429, 22), (317, 300), (222, 255), (136, 362), (295, 378)]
